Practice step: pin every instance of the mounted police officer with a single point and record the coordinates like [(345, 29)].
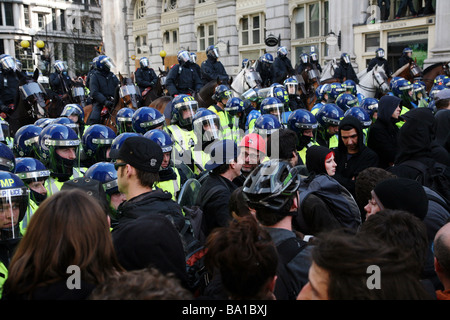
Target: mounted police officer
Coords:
[(145, 76), (264, 68), (102, 87), (282, 66), (182, 78), (9, 83), (406, 57), (212, 69), (60, 81), (303, 64), (380, 61), (345, 70)]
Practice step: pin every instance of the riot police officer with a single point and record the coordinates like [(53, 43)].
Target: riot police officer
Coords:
[(102, 87), (380, 61), (145, 76), (264, 68), (345, 70), (182, 78), (406, 57), (282, 66), (212, 69), (60, 81), (8, 84)]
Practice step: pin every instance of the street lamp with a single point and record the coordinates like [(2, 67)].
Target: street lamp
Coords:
[(162, 54)]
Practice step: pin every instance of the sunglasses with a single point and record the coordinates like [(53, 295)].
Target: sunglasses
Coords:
[(117, 165)]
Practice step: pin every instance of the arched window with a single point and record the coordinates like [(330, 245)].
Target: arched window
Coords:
[(139, 11)]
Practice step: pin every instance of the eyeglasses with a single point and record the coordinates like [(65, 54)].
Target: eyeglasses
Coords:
[(117, 165)]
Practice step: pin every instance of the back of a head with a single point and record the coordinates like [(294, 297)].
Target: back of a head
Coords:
[(399, 229), (245, 256), (352, 262)]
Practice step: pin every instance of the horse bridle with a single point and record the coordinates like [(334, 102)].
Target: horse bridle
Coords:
[(378, 82)]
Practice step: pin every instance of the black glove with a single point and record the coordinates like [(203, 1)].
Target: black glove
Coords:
[(109, 104)]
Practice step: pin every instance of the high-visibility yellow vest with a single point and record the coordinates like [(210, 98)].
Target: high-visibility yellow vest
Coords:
[(172, 186), (3, 277)]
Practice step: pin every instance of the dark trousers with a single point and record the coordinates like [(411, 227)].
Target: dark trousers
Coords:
[(95, 115), (403, 5), (385, 6)]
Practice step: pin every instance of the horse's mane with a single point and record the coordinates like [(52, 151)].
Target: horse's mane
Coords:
[(428, 69), (399, 71)]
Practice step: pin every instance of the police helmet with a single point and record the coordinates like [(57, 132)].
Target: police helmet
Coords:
[(370, 105), (336, 89), (304, 58), (402, 89), (124, 120), (14, 197), (329, 115), (7, 159), (291, 85), (266, 124), (73, 109), (60, 66), (346, 101), (183, 57), (184, 107), (206, 125), (193, 57), (144, 62), (272, 105), (322, 90), (67, 122), (267, 58), (118, 141), (350, 85), (162, 138), (345, 58), (26, 141), (360, 114), (222, 92), (234, 106), (96, 140), (104, 63), (106, 174), (301, 120), (282, 51), (147, 118), (212, 51), (380, 53), (7, 62)]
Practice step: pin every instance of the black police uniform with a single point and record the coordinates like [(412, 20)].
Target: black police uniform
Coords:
[(213, 70), (282, 68), (102, 87), (265, 73), (9, 84), (60, 83), (345, 70), (146, 77), (379, 62), (183, 80)]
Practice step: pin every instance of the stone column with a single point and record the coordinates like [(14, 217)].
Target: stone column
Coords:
[(227, 35), (441, 50), (278, 24), (186, 11)]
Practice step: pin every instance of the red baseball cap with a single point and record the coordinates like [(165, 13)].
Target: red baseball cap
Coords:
[(254, 141)]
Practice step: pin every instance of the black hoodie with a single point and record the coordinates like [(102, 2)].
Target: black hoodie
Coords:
[(383, 132), (350, 165)]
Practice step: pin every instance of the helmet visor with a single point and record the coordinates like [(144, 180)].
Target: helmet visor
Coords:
[(186, 111), (128, 90), (253, 78), (31, 89), (60, 66), (144, 62), (346, 58), (13, 205), (78, 92), (8, 63), (108, 63), (208, 127), (183, 57), (282, 51), (304, 58), (250, 94), (292, 88), (276, 109)]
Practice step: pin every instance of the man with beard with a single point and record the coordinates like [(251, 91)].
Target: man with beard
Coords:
[(352, 156), (252, 151)]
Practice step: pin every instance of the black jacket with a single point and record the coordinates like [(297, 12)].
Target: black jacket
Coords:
[(102, 86), (214, 202), (212, 69), (282, 68), (383, 132), (265, 72), (183, 80), (9, 84), (346, 71), (60, 83), (349, 166), (404, 59), (145, 77), (380, 62)]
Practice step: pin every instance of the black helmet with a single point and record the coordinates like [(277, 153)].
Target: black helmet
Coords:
[(271, 185)]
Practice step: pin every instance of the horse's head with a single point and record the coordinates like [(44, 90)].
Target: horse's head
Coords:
[(381, 79), (129, 92), (33, 94), (252, 78)]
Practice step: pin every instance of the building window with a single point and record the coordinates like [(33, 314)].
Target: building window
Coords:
[(169, 5), (140, 9), (63, 20), (311, 20), (9, 17), (252, 27), (170, 38), (372, 42), (41, 23), (26, 15), (206, 35), (54, 25)]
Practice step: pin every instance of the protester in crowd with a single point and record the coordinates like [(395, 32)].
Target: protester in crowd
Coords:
[(383, 133), (271, 190), (352, 156), (244, 258), (142, 284), (214, 195), (79, 240), (340, 265), (252, 149), (442, 261)]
